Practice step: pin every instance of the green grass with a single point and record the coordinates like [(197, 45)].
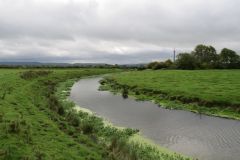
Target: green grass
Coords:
[(37, 136), (214, 92), (37, 123)]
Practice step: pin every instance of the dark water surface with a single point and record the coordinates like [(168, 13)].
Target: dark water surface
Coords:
[(203, 137)]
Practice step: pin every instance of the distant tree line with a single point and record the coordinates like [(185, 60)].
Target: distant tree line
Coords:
[(202, 57), (53, 66), (58, 66)]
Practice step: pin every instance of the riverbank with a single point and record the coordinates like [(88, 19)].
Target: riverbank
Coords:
[(131, 146), (34, 125), (212, 93)]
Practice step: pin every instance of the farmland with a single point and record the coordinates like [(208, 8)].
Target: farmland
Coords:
[(212, 92)]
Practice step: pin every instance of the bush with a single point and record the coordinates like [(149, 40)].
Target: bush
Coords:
[(160, 65)]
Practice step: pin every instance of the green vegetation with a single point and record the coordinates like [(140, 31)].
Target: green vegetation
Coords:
[(38, 123), (212, 92), (202, 57), (161, 65)]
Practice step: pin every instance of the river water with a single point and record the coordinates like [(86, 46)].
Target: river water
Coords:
[(198, 136)]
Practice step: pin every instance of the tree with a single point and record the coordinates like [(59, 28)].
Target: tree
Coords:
[(186, 61), (168, 63), (206, 56), (160, 65), (152, 65), (229, 58)]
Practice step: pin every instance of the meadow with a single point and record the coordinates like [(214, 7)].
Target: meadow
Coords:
[(213, 92), (37, 122)]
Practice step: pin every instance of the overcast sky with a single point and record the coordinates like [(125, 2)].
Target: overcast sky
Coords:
[(114, 31)]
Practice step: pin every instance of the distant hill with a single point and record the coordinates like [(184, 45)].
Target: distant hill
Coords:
[(20, 63), (60, 65), (49, 64)]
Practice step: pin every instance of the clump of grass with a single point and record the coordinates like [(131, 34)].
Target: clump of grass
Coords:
[(34, 74), (87, 127), (125, 92), (55, 105), (5, 89), (8, 152), (73, 118), (121, 148), (26, 157), (28, 134), (38, 154), (1, 116), (14, 126)]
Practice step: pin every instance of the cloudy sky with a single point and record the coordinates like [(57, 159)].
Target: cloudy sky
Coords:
[(114, 31)]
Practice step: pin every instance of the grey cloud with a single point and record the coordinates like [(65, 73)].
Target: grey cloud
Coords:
[(99, 57), (113, 30)]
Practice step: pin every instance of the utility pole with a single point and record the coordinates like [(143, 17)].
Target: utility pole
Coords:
[(174, 55)]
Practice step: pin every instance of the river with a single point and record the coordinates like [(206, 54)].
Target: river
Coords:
[(198, 136)]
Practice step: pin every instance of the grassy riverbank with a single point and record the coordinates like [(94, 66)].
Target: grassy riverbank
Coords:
[(36, 121), (212, 92), (33, 124)]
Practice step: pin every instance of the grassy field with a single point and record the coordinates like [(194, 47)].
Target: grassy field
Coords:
[(37, 123), (28, 128), (214, 92)]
